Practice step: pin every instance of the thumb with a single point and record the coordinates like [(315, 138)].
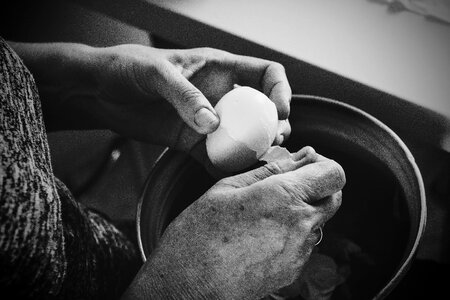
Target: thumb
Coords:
[(190, 103), (304, 156)]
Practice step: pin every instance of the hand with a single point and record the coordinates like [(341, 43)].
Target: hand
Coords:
[(248, 236), (132, 80), (159, 96)]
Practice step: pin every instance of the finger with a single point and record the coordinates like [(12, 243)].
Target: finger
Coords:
[(284, 130), (299, 159), (309, 183), (268, 76), (305, 156), (326, 208), (275, 84), (190, 103)]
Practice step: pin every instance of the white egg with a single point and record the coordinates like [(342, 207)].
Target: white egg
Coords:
[(248, 127)]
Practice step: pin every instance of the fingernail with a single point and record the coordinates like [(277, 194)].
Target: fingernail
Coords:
[(204, 118)]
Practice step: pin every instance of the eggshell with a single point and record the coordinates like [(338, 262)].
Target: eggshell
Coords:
[(248, 127)]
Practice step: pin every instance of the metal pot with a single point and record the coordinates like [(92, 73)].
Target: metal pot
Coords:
[(383, 209)]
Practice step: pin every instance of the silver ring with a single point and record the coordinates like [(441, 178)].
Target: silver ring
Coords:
[(320, 236)]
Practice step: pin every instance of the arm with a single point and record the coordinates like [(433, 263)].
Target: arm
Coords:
[(160, 96), (54, 64), (64, 73)]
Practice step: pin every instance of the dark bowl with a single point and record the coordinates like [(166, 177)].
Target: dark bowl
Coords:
[(383, 210)]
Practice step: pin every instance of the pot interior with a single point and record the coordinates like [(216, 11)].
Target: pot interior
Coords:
[(375, 233)]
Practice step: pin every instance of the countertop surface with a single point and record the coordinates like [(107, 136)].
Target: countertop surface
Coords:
[(403, 54)]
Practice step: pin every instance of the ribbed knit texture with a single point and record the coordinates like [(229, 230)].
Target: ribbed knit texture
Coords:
[(50, 245)]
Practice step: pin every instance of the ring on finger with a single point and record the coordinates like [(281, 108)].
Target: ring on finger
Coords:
[(320, 236)]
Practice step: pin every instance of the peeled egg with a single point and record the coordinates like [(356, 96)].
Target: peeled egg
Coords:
[(248, 127)]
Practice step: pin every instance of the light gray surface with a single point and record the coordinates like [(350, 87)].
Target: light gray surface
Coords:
[(402, 54)]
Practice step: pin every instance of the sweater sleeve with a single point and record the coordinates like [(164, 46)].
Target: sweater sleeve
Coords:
[(50, 245)]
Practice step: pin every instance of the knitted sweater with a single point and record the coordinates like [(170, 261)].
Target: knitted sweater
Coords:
[(50, 246)]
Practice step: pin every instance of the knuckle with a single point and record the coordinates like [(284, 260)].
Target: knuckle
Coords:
[(207, 50), (266, 171), (310, 154), (291, 192), (214, 55), (309, 150), (271, 169), (277, 66), (284, 190), (227, 182), (190, 96), (337, 173)]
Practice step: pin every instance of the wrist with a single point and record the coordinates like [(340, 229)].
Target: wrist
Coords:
[(163, 277), (57, 64), (65, 74), (78, 65), (70, 89)]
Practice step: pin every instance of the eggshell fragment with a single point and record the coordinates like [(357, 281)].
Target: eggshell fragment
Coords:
[(248, 127)]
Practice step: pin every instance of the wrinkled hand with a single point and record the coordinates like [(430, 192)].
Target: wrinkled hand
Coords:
[(133, 80), (248, 236)]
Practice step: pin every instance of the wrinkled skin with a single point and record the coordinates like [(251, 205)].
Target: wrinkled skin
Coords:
[(250, 234), (132, 81), (246, 237), (153, 95)]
